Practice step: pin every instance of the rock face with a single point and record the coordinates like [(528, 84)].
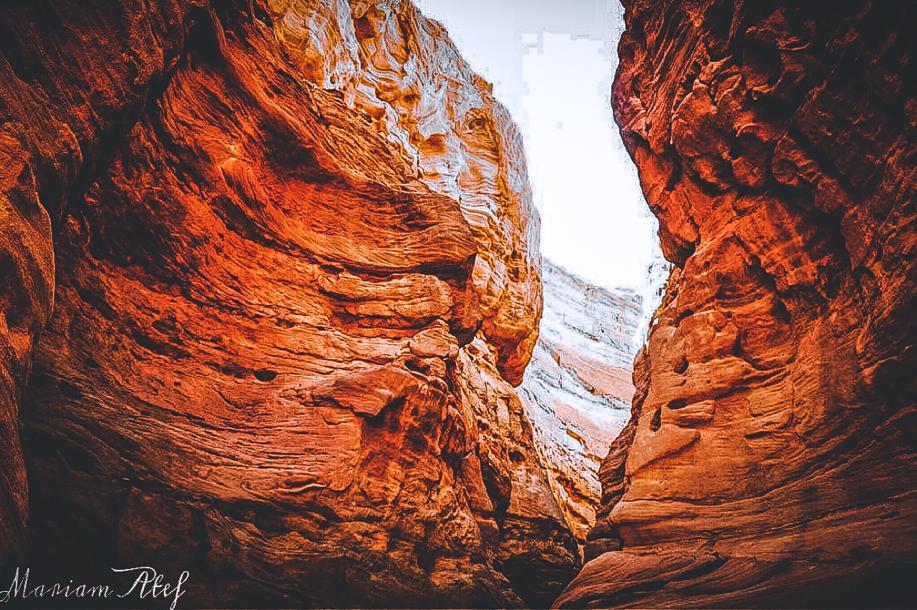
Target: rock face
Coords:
[(292, 262), (62, 97), (770, 460), (393, 65), (577, 388), (26, 291), (297, 276)]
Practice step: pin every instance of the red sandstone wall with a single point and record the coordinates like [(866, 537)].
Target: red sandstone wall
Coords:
[(770, 460), (60, 105), (291, 301), (293, 276)]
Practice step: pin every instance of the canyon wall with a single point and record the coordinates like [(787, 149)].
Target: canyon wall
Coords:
[(770, 459), (577, 388), (292, 262), (295, 276), (65, 92)]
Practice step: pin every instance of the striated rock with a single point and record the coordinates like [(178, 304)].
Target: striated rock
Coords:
[(770, 459), (513, 494), (296, 279), (53, 121), (403, 72), (26, 291), (577, 389)]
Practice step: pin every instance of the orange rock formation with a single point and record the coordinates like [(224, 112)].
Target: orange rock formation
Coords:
[(770, 459), (297, 276), (269, 274)]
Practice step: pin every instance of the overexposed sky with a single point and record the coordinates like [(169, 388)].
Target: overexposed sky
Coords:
[(551, 63)]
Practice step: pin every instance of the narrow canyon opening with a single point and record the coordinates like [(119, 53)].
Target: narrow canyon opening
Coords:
[(603, 274)]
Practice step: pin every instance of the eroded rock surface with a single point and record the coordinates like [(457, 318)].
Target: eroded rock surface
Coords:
[(577, 389), (296, 279), (402, 72), (65, 90), (770, 460)]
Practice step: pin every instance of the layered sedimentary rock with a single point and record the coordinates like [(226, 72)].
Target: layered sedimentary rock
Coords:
[(26, 289), (64, 92), (402, 70), (296, 279), (770, 460), (577, 388)]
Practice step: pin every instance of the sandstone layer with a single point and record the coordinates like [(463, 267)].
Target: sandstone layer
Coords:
[(577, 388), (64, 94), (297, 276), (770, 459)]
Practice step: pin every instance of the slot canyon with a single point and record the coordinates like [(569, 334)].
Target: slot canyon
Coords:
[(273, 312)]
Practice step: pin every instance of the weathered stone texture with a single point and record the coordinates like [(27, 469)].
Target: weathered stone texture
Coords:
[(297, 276), (577, 388), (770, 460)]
